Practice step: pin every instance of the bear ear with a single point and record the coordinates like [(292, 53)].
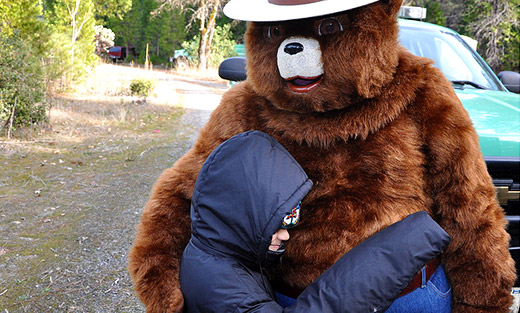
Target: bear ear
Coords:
[(392, 6)]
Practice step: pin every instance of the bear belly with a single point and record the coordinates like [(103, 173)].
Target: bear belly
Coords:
[(361, 186)]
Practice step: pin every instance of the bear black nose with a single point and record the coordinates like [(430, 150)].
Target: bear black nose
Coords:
[(293, 48)]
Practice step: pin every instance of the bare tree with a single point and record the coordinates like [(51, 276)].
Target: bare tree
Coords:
[(206, 34), (205, 15), (77, 21), (491, 28), (491, 22)]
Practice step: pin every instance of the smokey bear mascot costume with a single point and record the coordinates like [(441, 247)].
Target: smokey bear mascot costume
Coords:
[(379, 131)]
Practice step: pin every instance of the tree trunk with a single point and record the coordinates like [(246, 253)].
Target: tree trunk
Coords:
[(157, 44), (202, 31), (10, 128), (76, 29), (211, 29)]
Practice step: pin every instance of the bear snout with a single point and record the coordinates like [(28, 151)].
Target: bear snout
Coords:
[(299, 57)]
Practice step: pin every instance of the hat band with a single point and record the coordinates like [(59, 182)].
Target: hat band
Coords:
[(292, 2)]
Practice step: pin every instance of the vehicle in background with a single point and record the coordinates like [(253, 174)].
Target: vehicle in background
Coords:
[(240, 50), (494, 110), (120, 53), (181, 57), (511, 80)]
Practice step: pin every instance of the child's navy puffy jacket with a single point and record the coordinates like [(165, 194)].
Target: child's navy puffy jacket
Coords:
[(243, 191)]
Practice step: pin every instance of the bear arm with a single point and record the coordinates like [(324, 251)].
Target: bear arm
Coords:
[(162, 234), (164, 228), (478, 263)]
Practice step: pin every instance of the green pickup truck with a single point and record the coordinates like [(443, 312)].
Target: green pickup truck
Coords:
[(495, 111)]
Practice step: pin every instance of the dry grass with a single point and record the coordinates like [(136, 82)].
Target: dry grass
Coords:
[(101, 105)]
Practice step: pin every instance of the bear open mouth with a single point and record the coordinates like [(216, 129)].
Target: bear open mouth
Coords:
[(303, 84)]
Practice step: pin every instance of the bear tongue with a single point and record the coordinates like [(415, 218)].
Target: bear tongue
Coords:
[(303, 84), (303, 81)]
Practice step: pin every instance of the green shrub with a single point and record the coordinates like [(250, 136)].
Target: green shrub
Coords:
[(21, 82), (142, 87)]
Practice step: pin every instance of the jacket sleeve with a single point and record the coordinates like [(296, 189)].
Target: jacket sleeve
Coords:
[(252, 305), (369, 277)]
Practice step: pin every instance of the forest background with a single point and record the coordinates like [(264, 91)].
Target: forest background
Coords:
[(47, 46)]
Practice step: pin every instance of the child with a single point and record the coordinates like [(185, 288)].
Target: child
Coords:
[(245, 198)]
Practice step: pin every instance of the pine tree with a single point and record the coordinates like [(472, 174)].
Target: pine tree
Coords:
[(165, 33), (105, 10), (128, 28), (494, 23)]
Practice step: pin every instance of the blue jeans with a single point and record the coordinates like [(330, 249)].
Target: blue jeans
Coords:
[(434, 297), (283, 300)]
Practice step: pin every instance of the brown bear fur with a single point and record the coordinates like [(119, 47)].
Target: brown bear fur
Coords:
[(382, 137)]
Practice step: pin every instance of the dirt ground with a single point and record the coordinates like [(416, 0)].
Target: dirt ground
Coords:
[(71, 194)]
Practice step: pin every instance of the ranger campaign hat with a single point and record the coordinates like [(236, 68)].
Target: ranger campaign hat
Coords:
[(285, 10)]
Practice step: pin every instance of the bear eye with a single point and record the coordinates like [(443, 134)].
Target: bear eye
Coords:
[(329, 26), (274, 31)]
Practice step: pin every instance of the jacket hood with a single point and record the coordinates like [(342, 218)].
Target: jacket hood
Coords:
[(244, 189)]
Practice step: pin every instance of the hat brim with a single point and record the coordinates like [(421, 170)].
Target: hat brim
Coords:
[(263, 11)]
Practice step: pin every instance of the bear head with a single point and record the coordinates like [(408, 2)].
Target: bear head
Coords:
[(324, 63)]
